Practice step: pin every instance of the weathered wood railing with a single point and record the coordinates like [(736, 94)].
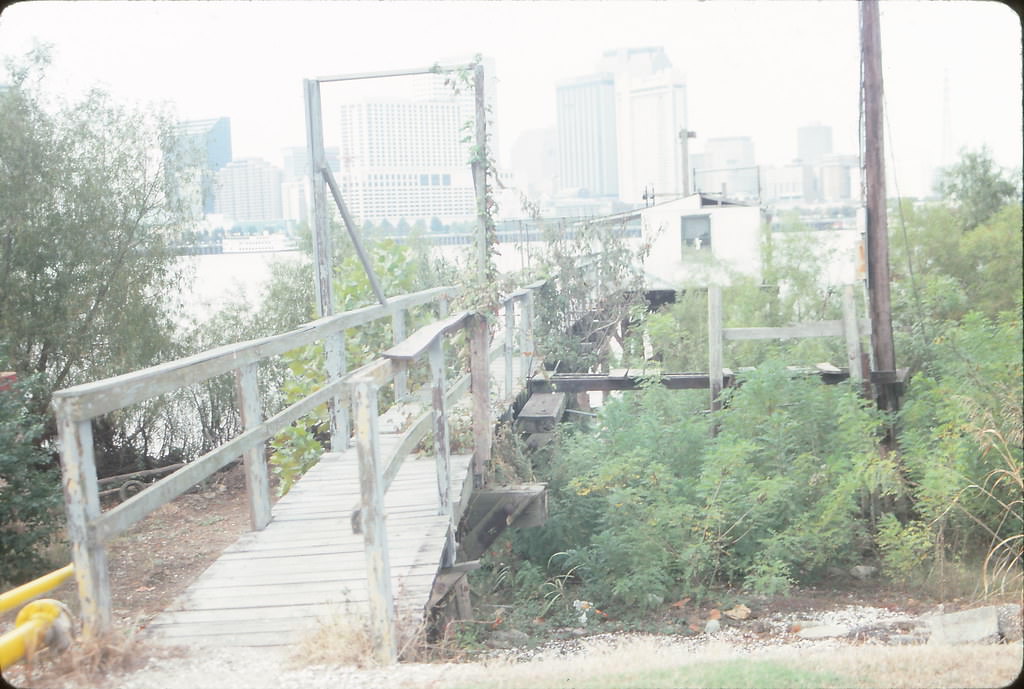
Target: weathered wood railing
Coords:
[(850, 328), (90, 529), (377, 471)]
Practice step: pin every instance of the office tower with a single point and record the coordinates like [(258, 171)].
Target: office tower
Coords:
[(206, 144), (249, 190), (650, 111), (587, 144), (728, 165), (814, 142), (534, 163), (296, 162)]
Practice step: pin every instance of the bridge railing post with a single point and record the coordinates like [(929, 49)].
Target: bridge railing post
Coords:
[(337, 364), (510, 305), (398, 334), (526, 335), (375, 537), (82, 503), (715, 379), (257, 482), (440, 426), (479, 376)]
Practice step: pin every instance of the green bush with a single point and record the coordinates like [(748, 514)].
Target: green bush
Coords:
[(650, 507), (30, 488)]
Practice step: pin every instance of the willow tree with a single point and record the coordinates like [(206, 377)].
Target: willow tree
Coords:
[(86, 231)]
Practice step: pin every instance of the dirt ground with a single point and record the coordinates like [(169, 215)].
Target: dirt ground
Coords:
[(159, 557)]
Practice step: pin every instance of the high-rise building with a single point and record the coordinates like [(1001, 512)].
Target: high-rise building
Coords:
[(728, 165), (249, 191), (839, 177), (206, 144), (406, 157), (813, 143), (651, 110), (534, 163), (587, 144), (296, 162)]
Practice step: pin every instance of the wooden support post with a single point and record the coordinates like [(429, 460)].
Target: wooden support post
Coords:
[(479, 377), (337, 367), (398, 334), (81, 498), (257, 482), (440, 426), (509, 345), (852, 335), (715, 344), (442, 307), (479, 170), (375, 536), (321, 237)]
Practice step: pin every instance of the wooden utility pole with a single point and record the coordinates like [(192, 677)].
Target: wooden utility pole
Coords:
[(880, 306), (479, 167)]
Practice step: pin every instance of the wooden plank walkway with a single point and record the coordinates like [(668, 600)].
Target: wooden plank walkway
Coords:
[(271, 586)]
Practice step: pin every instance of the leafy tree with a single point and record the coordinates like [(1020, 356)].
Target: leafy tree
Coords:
[(977, 187), (436, 225), (29, 486), (85, 234)]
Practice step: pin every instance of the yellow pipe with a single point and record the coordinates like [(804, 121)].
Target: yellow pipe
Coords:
[(29, 633), (36, 587)]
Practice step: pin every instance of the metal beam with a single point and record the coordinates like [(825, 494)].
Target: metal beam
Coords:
[(350, 227), (412, 71)]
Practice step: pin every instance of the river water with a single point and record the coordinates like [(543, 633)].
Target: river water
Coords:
[(219, 278)]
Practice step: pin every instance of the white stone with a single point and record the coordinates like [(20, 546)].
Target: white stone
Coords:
[(823, 631), (964, 627)]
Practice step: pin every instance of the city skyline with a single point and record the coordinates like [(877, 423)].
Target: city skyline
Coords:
[(751, 69)]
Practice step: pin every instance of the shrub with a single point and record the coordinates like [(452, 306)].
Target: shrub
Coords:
[(30, 487)]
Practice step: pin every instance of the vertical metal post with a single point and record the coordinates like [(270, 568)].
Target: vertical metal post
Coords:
[(877, 222), (337, 366), (851, 332), (82, 502), (479, 381), (375, 536), (509, 344), (479, 168), (398, 334), (257, 483), (442, 453), (715, 344), (321, 235), (526, 334)]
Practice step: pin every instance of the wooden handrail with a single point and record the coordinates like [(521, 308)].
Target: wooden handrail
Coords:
[(90, 400), (414, 346)]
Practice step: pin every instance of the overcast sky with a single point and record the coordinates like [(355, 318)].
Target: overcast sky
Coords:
[(758, 69)]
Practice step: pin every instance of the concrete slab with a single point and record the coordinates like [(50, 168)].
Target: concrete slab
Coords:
[(977, 625)]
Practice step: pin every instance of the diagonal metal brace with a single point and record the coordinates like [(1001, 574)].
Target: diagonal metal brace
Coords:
[(353, 235)]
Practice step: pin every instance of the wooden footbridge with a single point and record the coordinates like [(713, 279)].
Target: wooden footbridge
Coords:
[(371, 530)]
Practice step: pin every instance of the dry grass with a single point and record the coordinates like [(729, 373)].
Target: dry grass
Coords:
[(904, 667), (342, 637), (648, 663), (86, 661)]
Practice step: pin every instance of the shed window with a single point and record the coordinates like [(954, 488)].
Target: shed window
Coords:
[(696, 232)]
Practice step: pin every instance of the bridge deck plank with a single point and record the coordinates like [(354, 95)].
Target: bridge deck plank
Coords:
[(271, 586)]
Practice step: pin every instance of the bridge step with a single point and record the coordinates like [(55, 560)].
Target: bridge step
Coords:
[(542, 412)]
